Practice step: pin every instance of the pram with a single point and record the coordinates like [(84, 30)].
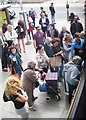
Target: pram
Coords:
[(52, 85)]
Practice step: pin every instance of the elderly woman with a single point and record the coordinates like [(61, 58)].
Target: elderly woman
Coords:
[(29, 79), (48, 47)]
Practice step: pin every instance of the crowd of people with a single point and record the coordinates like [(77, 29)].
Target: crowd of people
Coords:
[(50, 45)]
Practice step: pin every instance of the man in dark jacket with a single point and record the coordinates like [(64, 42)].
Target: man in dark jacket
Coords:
[(52, 10), (76, 26)]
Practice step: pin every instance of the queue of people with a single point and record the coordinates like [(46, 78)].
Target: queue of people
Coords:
[(67, 47)]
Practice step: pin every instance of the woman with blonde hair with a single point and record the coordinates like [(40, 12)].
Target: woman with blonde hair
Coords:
[(13, 92)]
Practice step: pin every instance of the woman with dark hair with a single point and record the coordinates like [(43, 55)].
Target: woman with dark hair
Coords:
[(21, 34), (42, 59), (52, 32), (15, 62)]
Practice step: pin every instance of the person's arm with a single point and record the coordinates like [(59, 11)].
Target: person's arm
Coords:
[(14, 36), (33, 77), (59, 53), (34, 44), (21, 98), (72, 49), (74, 74), (65, 47)]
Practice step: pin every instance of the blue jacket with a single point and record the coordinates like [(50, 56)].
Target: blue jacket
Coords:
[(76, 45), (49, 50)]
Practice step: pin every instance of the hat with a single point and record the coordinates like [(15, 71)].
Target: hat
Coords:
[(31, 64)]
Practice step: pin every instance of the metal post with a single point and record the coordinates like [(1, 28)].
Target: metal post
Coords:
[(85, 14), (21, 6), (67, 6)]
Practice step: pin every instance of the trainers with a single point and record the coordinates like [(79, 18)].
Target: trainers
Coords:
[(34, 98), (32, 108)]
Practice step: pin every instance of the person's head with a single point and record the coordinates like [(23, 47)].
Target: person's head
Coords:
[(48, 40), (64, 29), (40, 49), (77, 37), (52, 26), (12, 85), (5, 21), (52, 4), (75, 18), (42, 14), (13, 50), (21, 23), (76, 60), (31, 9), (68, 38), (9, 28), (82, 34), (41, 8), (31, 65), (55, 42), (38, 28)]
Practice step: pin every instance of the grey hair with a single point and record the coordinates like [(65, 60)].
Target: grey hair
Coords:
[(76, 59)]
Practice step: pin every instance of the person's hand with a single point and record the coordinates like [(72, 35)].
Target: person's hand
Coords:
[(14, 59)]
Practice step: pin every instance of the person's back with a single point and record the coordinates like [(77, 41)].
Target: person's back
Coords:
[(72, 72), (27, 80)]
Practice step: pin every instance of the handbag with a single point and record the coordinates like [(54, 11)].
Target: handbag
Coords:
[(42, 87), (15, 73), (55, 61)]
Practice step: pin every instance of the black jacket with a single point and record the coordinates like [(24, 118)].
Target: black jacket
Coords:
[(76, 27), (52, 10)]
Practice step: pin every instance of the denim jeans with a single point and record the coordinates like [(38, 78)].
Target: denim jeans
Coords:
[(53, 18), (71, 88)]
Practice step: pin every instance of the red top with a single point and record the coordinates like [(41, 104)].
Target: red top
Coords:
[(30, 28)]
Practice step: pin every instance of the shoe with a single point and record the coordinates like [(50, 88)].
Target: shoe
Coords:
[(32, 108), (24, 51), (5, 70), (34, 98)]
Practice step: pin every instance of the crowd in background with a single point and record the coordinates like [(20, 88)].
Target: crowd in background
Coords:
[(49, 43)]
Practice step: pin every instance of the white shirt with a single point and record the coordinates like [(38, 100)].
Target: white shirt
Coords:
[(11, 36)]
